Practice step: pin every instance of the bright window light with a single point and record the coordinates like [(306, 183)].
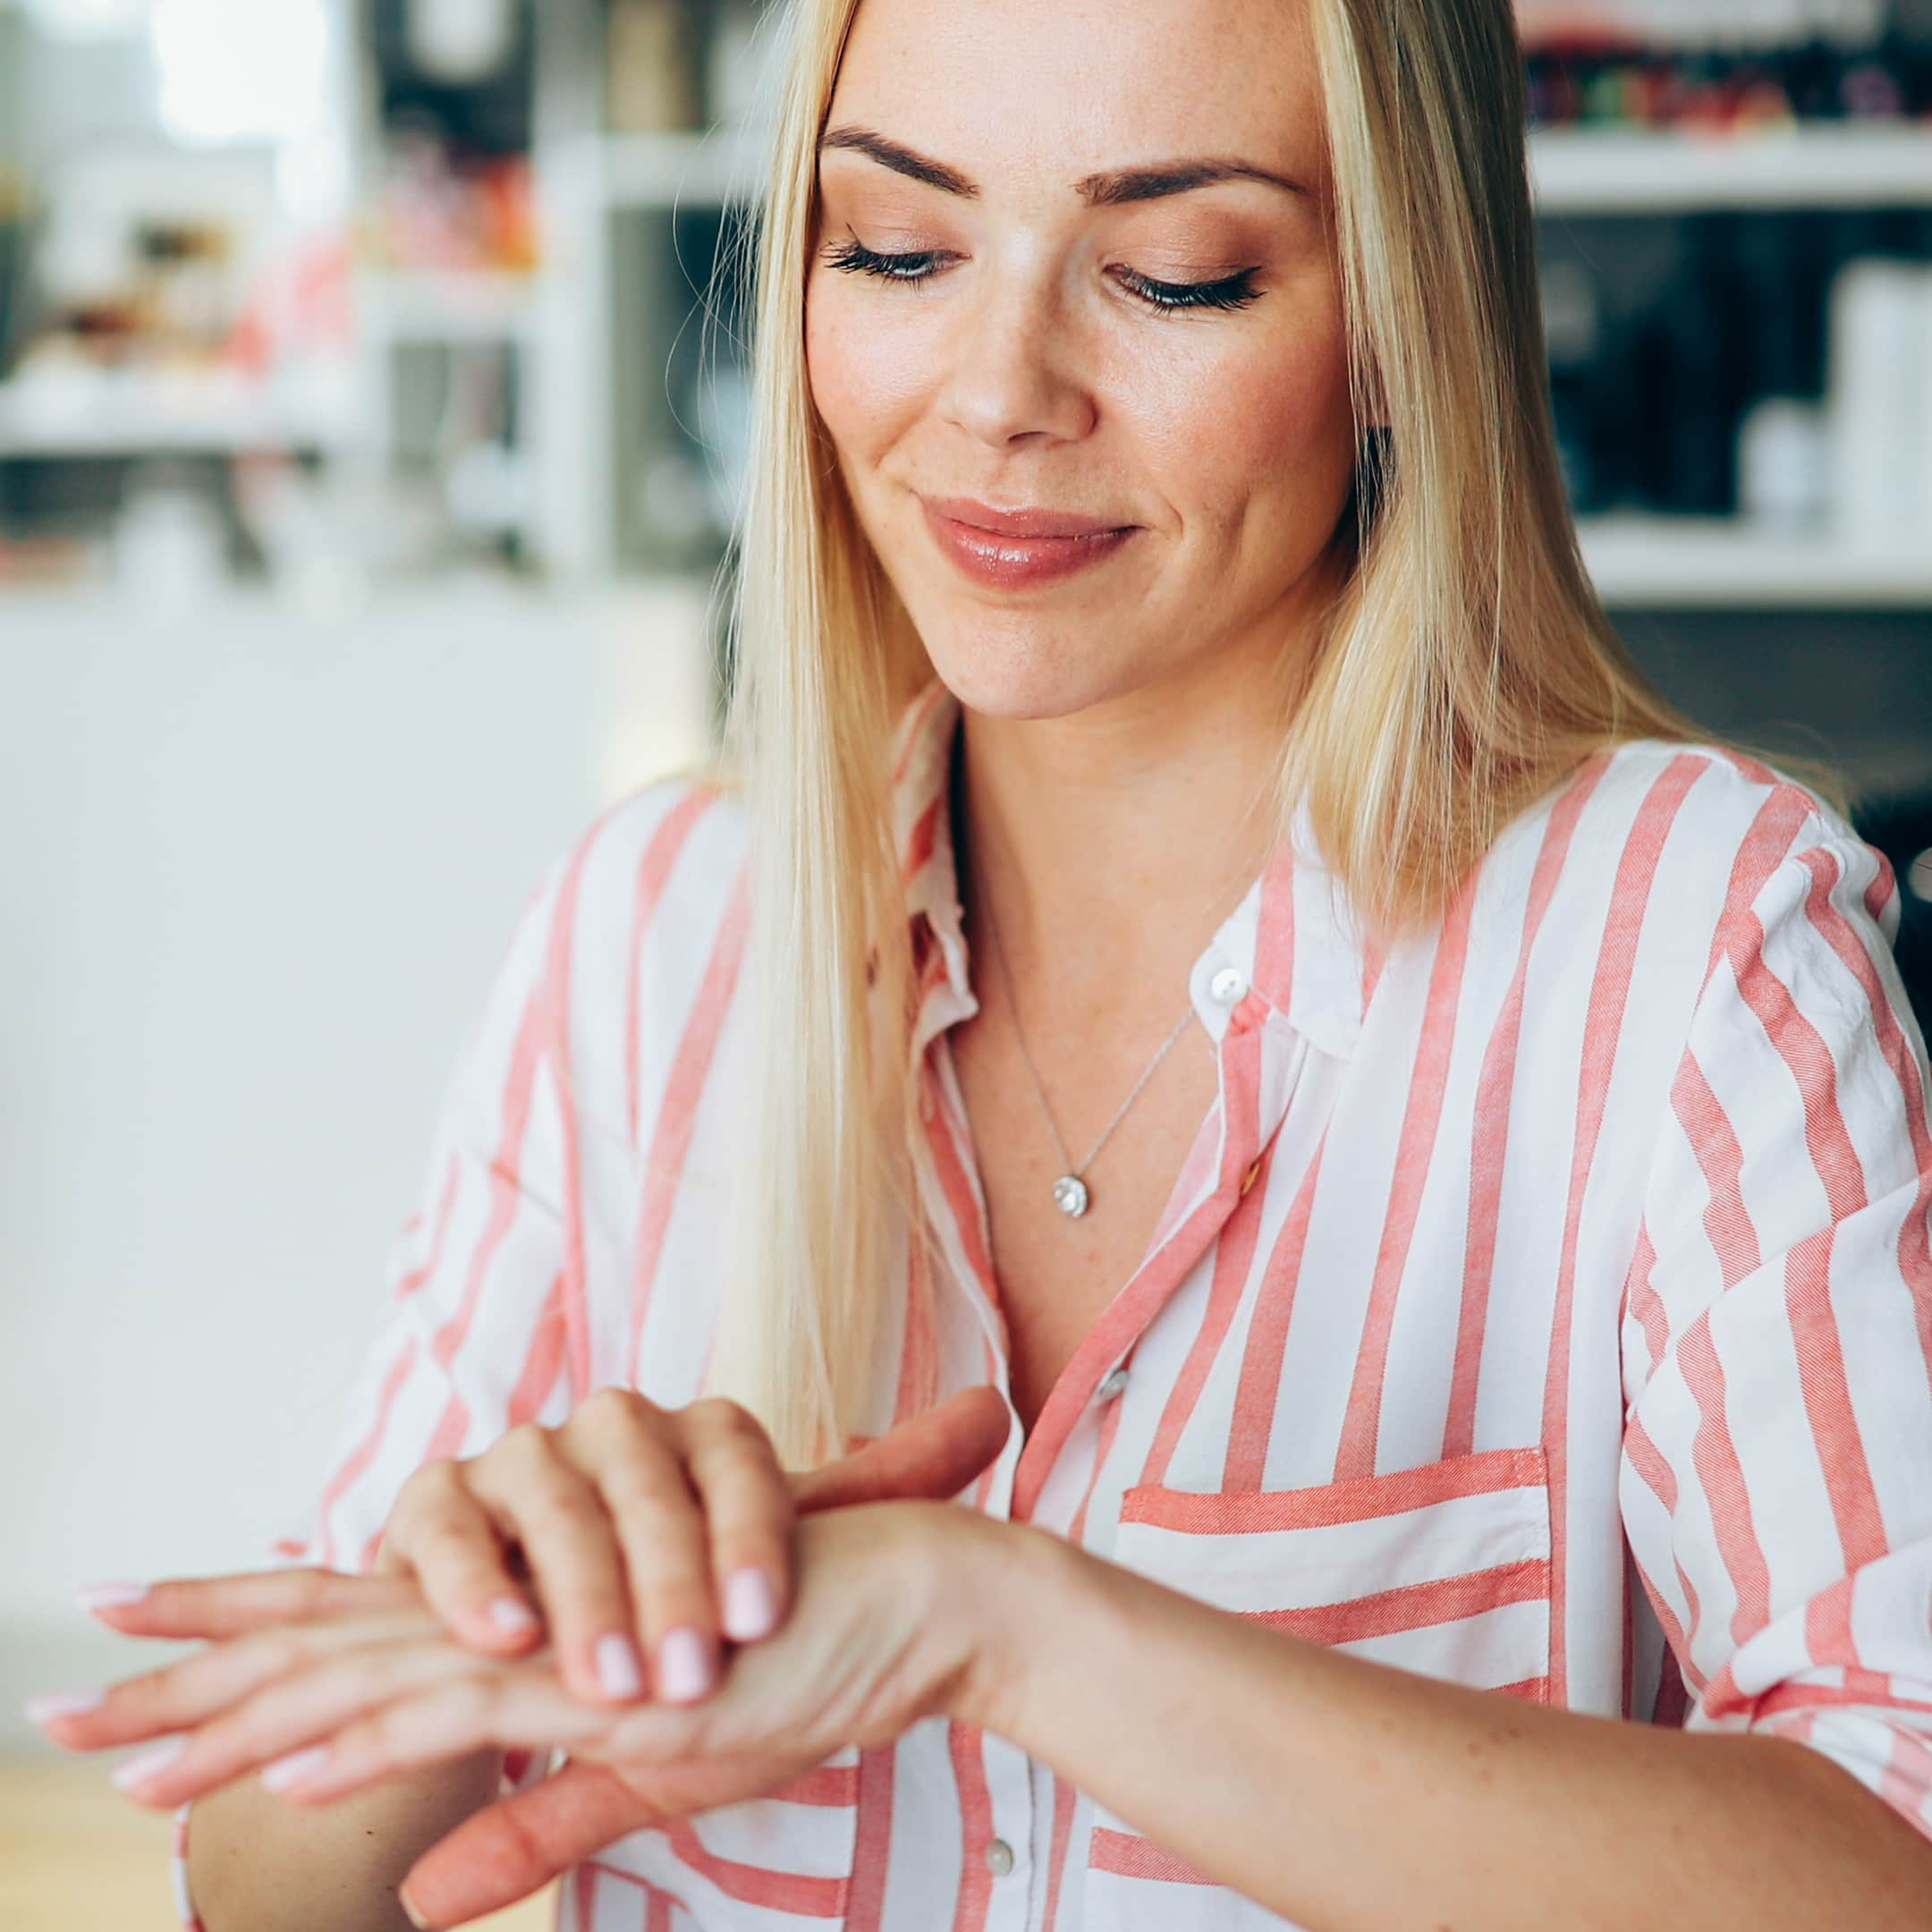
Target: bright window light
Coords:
[(236, 70)]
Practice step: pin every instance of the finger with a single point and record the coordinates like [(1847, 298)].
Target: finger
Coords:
[(186, 1693), (518, 1844), (933, 1455), (295, 1714), (538, 1495), (219, 1607), (635, 1453), (507, 1701), (440, 1531), (748, 1515)]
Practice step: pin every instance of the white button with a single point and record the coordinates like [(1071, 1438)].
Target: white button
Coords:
[(1112, 1385), (999, 1858), (1228, 986)]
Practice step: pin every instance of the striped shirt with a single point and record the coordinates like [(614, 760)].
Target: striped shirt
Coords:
[(1544, 1304)]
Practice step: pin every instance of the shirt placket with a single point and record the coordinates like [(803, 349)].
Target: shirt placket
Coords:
[(1004, 1880)]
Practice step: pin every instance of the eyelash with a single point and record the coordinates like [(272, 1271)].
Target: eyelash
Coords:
[(1164, 297)]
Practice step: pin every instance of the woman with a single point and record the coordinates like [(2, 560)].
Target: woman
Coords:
[(1245, 983)]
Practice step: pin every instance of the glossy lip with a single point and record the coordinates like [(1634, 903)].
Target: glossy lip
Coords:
[(1028, 522), (1011, 549)]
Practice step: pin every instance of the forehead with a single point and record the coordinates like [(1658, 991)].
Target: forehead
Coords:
[(1042, 91)]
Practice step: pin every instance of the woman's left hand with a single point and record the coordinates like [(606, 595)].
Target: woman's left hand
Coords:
[(887, 1630)]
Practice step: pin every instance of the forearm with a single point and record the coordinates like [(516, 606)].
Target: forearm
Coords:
[(1350, 1796), (258, 1863)]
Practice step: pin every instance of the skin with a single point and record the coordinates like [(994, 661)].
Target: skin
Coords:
[(1118, 728)]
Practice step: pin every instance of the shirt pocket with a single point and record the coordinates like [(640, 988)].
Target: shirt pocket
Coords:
[(1443, 1570)]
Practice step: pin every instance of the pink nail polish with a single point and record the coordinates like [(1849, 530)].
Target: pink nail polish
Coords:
[(109, 1596), (683, 1673), (62, 1703), (751, 1607), (511, 1613), (149, 1764), (617, 1665), (295, 1767)]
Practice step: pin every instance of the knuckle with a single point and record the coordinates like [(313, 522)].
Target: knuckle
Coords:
[(526, 1445), (722, 1417), (276, 1653)]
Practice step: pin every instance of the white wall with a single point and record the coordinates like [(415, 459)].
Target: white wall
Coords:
[(255, 872)]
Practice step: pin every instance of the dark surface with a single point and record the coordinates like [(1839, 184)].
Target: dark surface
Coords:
[(1852, 686)]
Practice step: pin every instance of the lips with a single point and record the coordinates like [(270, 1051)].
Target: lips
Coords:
[(1020, 522), (1017, 549)]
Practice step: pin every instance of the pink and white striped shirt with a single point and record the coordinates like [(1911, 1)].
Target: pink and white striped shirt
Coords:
[(1545, 1305)]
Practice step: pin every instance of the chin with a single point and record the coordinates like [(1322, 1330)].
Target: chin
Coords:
[(1038, 676)]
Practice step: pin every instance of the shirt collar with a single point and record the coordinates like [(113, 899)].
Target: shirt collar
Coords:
[(1291, 947)]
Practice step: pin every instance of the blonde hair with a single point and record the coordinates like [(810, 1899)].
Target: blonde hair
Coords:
[(1464, 667)]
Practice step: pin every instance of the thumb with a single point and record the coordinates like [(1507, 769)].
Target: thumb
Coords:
[(935, 1454), (515, 1846)]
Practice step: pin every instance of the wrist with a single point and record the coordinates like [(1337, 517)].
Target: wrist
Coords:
[(1007, 1589)]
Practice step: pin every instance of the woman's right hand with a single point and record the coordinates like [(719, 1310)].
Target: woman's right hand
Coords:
[(633, 1532)]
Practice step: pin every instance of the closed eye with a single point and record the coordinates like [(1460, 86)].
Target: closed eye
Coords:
[(918, 267)]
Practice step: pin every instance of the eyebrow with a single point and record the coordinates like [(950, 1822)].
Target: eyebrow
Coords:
[(1106, 190)]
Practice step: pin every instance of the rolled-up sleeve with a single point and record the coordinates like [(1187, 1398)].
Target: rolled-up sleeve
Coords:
[(1775, 1484), (479, 1326)]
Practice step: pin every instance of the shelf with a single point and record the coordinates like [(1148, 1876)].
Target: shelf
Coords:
[(1575, 171), (447, 305), (711, 168), (115, 416), (1724, 563), (1617, 171)]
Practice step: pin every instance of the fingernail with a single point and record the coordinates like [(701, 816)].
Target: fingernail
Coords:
[(109, 1596), (617, 1667), (295, 1767), (751, 1607), (682, 1670), (149, 1764), (511, 1613), (410, 1912), (62, 1703)]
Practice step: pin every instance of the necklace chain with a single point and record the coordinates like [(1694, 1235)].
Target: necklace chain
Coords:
[(1070, 1192)]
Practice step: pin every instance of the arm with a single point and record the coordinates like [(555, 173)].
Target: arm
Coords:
[(470, 1342), (1777, 1497), (1352, 1797), (253, 1861)]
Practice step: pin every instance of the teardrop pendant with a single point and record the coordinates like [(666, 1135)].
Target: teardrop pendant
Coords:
[(1070, 1195)]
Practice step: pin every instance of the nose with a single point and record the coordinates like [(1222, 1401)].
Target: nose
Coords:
[(1014, 372)]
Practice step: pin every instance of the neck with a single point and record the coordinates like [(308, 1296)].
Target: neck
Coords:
[(1127, 831)]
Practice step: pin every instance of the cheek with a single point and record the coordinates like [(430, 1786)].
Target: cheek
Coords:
[(865, 381), (1270, 422)]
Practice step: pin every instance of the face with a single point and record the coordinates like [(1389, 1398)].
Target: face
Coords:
[(1077, 261)]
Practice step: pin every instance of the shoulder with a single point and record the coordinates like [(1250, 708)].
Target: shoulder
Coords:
[(1704, 828), (656, 869), (1652, 862)]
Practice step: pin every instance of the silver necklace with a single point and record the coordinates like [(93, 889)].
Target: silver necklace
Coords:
[(1069, 1192)]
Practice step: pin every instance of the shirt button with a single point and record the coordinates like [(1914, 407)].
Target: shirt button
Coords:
[(1228, 986), (1111, 1385), (999, 1858), (1248, 1179)]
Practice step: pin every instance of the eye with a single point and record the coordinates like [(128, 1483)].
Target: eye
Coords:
[(1230, 291), (1227, 292), (856, 259)]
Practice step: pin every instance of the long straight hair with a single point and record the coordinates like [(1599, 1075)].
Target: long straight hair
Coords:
[(1464, 667)]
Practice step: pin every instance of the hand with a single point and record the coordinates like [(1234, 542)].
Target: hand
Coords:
[(905, 1611), (627, 1516), (642, 1532), (881, 1634)]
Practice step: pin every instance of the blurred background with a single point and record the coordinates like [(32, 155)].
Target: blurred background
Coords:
[(372, 418)]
